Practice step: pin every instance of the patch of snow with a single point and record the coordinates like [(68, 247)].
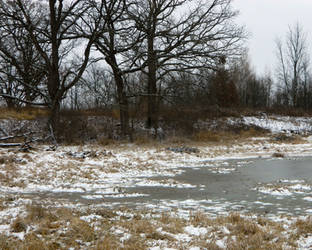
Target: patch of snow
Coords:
[(90, 217), (278, 124), (183, 237), (307, 198), (126, 195), (291, 181), (92, 197), (225, 230), (275, 191), (300, 187), (168, 183), (125, 237), (197, 231), (221, 243), (194, 248), (263, 203), (305, 242), (222, 170)]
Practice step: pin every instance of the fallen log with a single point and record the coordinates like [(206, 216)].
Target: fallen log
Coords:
[(8, 145), (9, 137)]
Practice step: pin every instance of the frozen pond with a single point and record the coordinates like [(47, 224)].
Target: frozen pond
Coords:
[(264, 186), (261, 185)]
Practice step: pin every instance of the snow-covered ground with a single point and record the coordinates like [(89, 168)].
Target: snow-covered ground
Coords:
[(88, 178)]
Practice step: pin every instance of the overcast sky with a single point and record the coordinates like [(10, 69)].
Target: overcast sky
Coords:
[(268, 19)]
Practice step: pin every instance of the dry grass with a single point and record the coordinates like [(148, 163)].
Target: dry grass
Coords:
[(18, 225), (303, 227), (63, 228), (172, 224), (23, 113), (283, 138), (4, 242), (81, 229), (177, 140), (227, 136), (144, 140), (278, 155), (108, 242), (208, 136)]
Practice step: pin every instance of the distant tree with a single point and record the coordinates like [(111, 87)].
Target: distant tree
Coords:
[(224, 89), (254, 91), (293, 62), (97, 87)]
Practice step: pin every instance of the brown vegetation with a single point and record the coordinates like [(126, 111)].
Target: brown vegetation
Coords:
[(23, 113)]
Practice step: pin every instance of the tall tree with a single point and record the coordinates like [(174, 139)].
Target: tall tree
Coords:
[(55, 38), (119, 36), (181, 35)]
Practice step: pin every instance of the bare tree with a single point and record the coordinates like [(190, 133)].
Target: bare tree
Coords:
[(119, 36), (292, 63), (22, 67), (177, 40), (55, 37)]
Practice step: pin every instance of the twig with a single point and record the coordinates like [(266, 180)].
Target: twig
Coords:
[(4, 132)]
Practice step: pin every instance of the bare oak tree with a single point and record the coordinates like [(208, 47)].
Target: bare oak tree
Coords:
[(181, 35), (119, 36)]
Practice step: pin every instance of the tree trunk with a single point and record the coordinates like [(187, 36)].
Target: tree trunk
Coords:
[(152, 114), (123, 105), (55, 101)]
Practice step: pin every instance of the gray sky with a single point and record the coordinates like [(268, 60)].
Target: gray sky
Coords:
[(268, 19)]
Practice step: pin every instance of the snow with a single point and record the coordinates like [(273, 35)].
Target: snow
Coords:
[(275, 191), (305, 242), (291, 181), (108, 173), (183, 237), (221, 243), (308, 198), (277, 124), (168, 183), (300, 187), (197, 231), (90, 217), (126, 195)]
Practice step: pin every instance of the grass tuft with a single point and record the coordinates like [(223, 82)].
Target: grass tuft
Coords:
[(18, 225)]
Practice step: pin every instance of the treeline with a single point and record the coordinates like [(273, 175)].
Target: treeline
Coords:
[(138, 55)]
